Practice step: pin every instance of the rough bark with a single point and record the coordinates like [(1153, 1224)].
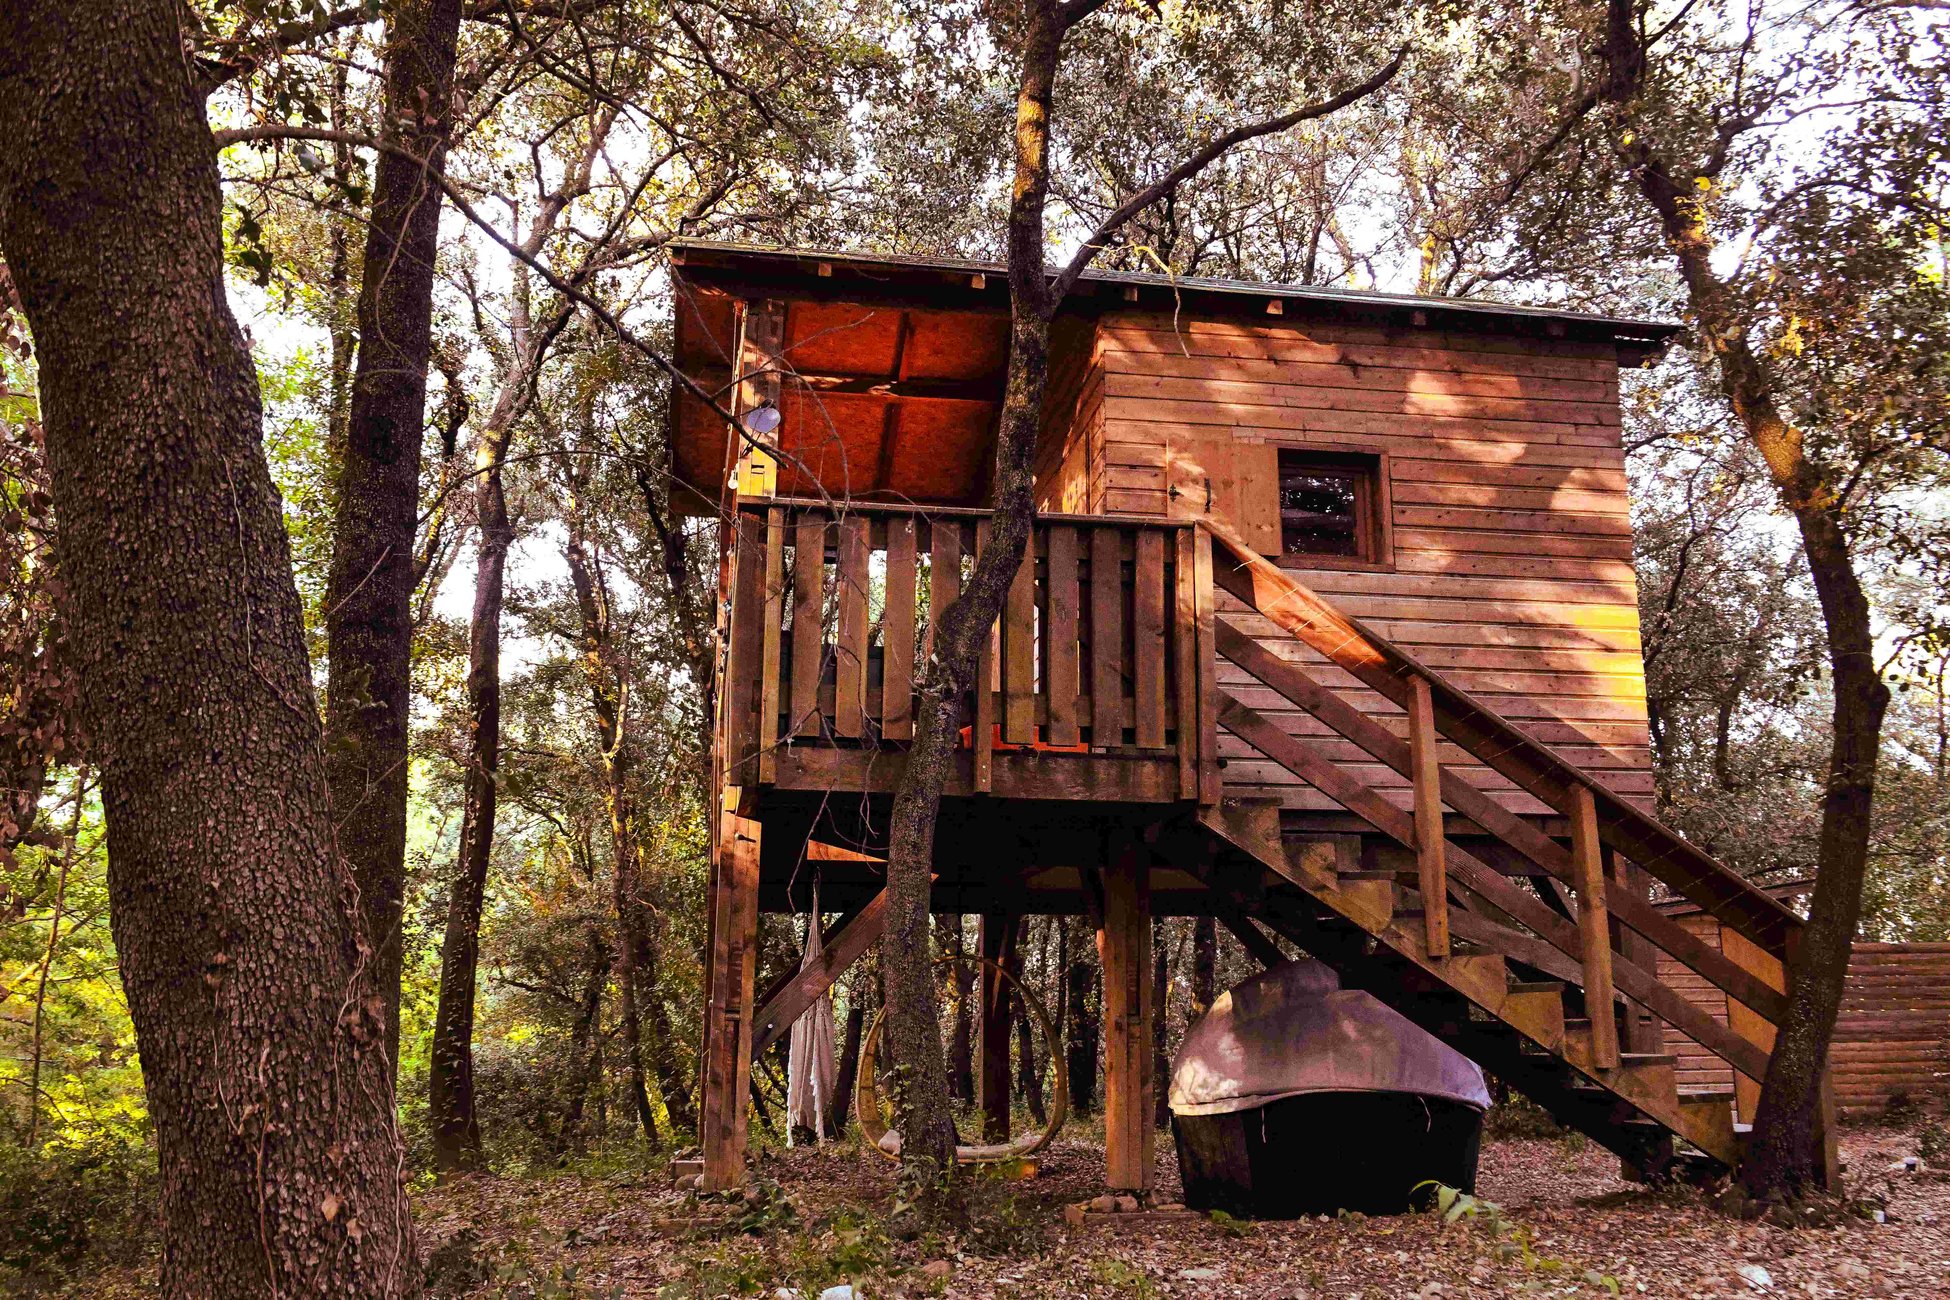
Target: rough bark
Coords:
[(259, 1023), (919, 1084), (1082, 1026), (642, 1014), (961, 1043), (369, 593), (1784, 1152), (585, 1051), (849, 1067), (450, 1079), (1205, 964)]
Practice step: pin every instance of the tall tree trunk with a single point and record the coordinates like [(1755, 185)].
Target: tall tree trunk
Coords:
[(1205, 964), (919, 1083), (450, 1080), (849, 1067), (961, 1043), (260, 1026), (608, 698), (585, 1052), (369, 593), (1081, 1027), (1784, 1155)]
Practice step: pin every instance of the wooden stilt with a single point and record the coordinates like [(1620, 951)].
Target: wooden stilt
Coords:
[(1124, 944), (733, 959), (998, 943)]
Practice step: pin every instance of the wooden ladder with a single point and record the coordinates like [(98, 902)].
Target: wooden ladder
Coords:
[(1533, 992)]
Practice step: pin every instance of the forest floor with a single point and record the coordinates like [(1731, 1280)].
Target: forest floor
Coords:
[(1566, 1224)]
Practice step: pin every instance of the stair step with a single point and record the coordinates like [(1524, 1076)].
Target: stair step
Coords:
[(1704, 1096), (1631, 1059), (1523, 987)]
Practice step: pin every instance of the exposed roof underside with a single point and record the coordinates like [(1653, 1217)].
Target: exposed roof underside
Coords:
[(895, 364)]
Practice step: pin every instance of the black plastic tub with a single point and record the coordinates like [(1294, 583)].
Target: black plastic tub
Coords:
[(1294, 1096), (1322, 1152)]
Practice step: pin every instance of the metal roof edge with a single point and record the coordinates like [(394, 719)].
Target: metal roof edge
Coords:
[(1624, 328)]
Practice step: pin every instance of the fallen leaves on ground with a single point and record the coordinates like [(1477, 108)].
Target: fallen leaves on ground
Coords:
[(1569, 1225)]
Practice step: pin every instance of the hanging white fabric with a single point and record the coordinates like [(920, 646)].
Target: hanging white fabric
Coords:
[(810, 1071)]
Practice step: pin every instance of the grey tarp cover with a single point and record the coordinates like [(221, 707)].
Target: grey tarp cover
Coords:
[(1294, 1030)]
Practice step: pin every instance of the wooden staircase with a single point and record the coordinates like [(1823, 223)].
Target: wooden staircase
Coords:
[(1535, 991)]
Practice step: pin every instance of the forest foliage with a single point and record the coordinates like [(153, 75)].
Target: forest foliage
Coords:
[(589, 134)]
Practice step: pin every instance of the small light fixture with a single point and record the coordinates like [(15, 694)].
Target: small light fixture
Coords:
[(762, 419)]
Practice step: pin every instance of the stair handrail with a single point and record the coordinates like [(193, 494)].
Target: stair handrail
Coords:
[(1499, 743)]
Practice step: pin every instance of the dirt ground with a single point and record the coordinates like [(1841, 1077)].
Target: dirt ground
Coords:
[(1566, 1225)]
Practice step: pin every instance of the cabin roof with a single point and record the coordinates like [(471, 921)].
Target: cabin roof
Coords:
[(894, 365), (748, 270)]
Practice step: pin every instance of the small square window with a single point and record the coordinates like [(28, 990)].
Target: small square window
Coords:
[(1330, 504)]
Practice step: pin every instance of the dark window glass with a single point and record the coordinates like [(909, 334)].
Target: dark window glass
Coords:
[(1325, 506)]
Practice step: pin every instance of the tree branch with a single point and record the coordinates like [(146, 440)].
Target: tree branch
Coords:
[(1200, 160)]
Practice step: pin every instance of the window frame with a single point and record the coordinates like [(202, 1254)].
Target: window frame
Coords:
[(1373, 507)]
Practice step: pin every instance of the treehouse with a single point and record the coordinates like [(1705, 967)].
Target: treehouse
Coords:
[(1327, 629)]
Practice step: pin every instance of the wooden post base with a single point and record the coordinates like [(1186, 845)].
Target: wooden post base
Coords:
[(1130, 1090), (732, 963)]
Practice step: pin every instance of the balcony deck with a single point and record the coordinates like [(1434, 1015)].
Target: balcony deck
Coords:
[(1098, 683)]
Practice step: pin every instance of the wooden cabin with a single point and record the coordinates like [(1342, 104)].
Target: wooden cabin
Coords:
[(1328, 629)]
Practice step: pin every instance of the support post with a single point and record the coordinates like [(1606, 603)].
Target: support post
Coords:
[(997, 942), (1594, 927), (1429, 842), (1124, 944), (733, 960)]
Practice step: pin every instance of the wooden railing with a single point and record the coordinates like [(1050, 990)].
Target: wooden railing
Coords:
[(1605, 829), (1098, 675)]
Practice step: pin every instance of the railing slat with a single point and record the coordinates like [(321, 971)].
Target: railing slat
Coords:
[(808, 614), (982, 737), (850, 651), (944, 572), (1292, 681), (1106, 636), (1184, 654), (1429, 839), (1209, 780), (1060, 667), (1148, 638), (897, 633), (745, 650), (1594, 926), (768, 690), (1019, 651)]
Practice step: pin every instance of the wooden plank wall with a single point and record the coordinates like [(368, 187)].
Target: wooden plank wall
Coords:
[(1072, 424), (1893, 1034), (1512, 552)]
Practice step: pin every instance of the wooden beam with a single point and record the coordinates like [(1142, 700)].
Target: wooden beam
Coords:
[(897, 632), (771, 660), (1429, 838), (1594, 928), (856, 933), (732, 964), (1124, 945)]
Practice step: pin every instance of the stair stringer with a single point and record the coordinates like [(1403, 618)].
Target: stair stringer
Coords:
[(1251, 827)]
